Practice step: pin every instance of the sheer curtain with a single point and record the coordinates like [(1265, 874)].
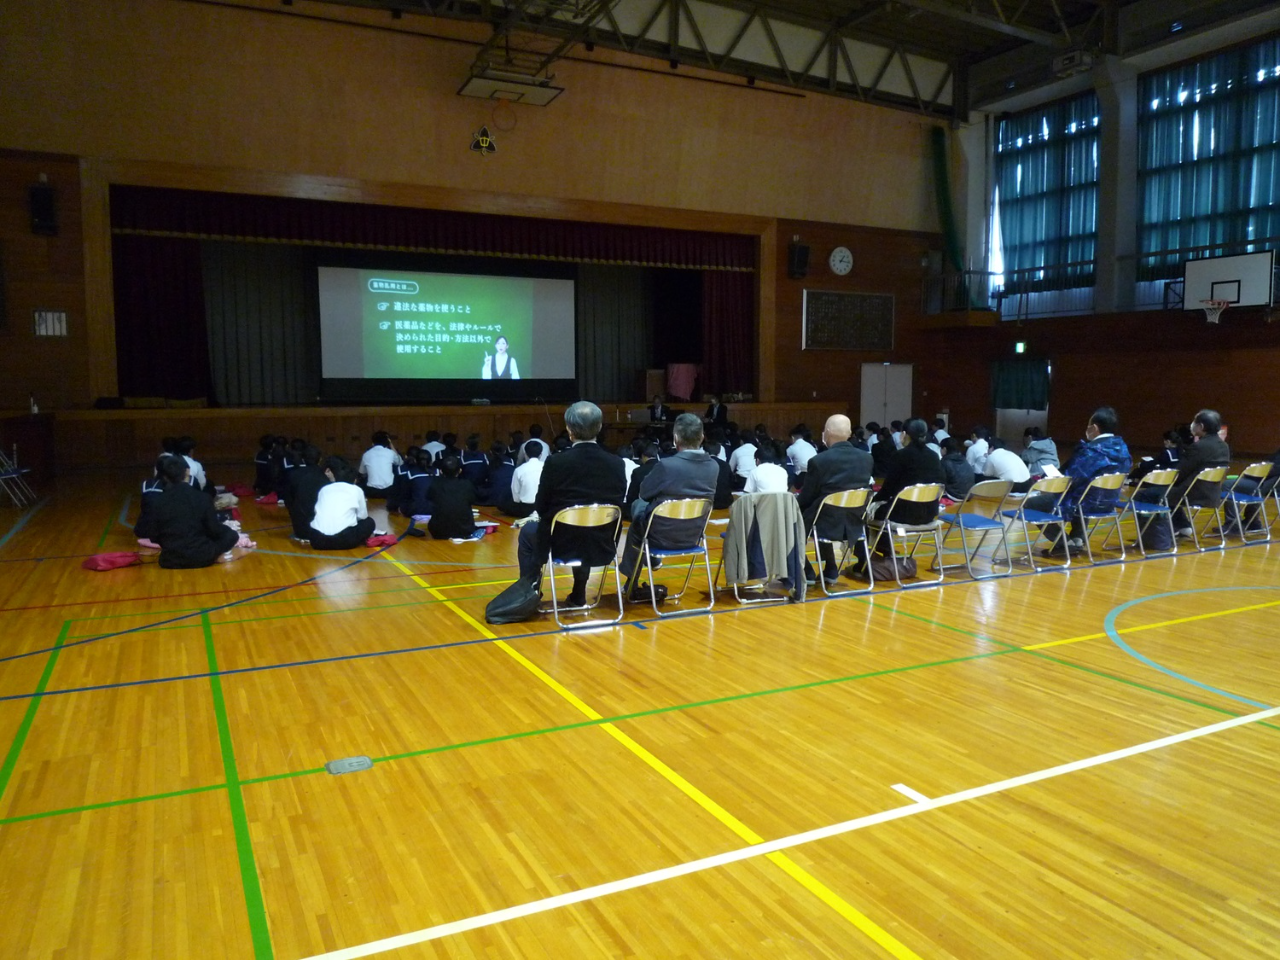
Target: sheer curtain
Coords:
[(1047, 195), (1209, 159)]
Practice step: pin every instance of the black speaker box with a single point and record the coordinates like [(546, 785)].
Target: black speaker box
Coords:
[(44, 210), (797, 260)]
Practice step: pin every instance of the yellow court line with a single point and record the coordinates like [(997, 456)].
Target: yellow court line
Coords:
[(1153, 626), (807, 880)]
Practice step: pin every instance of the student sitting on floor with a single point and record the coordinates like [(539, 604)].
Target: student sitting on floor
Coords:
[(376, 466), (399, 491), (502, 468), (769, 476), (145, 528), (524, 484), (262, 465), (451, 500), (183, 522), (187, 449), (305, 482), (341, 520), (417, 495)]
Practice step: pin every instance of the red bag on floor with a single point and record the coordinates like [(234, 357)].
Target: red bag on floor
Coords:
[(381, 540), (240, 490), (269, 499), (111, 561)]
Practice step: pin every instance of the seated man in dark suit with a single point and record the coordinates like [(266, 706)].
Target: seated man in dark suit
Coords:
[(691, 472), (717, 413), (1209, 450), (585, 473), (842, 466), (659, 412), (914, 463)]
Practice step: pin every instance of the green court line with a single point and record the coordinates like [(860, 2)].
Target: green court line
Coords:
[(111, 803), (258, 928), (20, 738), (111, 522), (672, 708)]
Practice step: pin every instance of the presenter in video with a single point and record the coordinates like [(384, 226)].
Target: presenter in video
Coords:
[(499, 365)]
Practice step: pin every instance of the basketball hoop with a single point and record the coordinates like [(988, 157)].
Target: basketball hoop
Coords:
[(1213, 309)]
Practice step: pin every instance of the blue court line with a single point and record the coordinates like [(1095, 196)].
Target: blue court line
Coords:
[(197, 613), (639, 624), (1109, 625), (22, 521), (124, 511)]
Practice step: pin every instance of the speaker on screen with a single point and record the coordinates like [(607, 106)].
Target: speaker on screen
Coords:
[(797, 260), (44, 209)]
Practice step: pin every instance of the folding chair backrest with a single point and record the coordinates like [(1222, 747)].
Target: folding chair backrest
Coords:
[(1161, 479), (691, 514), (847, 499), (587, 515), (1255, 471), (921, 492), (1211, 475), (988, 494), (1056, 486), (689, 509)]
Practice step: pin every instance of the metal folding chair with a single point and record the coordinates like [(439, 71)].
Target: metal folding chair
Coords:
[(1206, 476), (797, 590), (1054, 486), (13, 481), (843, 500), (893, 529), (1246, 506), (606, 519), (967, 518), (1091, 519), (1145, 512), (694, 513)]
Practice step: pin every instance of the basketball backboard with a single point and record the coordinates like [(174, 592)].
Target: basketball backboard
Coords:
[(1242, 281)]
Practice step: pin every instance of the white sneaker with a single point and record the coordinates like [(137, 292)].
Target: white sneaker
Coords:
[(1186, 533)]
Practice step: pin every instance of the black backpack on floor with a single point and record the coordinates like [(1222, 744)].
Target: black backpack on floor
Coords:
[(515, 604)]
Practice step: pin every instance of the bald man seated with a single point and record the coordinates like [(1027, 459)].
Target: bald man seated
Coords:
[(842, 466)]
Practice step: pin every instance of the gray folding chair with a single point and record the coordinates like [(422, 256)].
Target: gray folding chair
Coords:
[(1092, 518), (13, 481), (1027, 519), (841, 500), (975, 514), (1145, 511), (1249, 503), (1207, 475)]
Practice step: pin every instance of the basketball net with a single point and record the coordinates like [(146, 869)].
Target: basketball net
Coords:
[(1213, 309)]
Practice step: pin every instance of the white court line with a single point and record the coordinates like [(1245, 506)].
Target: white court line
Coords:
[(906, 791), (772, 846)]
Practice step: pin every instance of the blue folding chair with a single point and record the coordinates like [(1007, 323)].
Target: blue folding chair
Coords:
[(967, 519), (1107, 486), (1144, 511), (1038, 519), (1193, 510), (1246, 505)]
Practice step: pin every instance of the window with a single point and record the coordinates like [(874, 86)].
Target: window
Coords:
[(1209, 159), (1045, 224)]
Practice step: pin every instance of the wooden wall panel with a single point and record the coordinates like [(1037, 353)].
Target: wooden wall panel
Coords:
[(42, 272), (131, 438)]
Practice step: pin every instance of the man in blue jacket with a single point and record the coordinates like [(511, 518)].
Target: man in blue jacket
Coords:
[(1101, 451)]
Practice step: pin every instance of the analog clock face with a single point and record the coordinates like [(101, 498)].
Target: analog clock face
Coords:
[(840, 261)]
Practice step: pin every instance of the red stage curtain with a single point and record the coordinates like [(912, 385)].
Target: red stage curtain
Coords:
[(162, 347), (728, 331), (206, 215)]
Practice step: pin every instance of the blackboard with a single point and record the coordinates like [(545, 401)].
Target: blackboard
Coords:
[(847, 321)]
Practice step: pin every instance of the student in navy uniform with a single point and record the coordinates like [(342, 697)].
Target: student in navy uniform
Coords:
[(262, 465), (451, 500), (305, 482), (152, 487), (182, 520), (501, 468), (475, 465), (417, 494), (399, 491)]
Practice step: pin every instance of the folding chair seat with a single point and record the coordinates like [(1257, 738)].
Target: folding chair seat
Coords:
[(1206, 476), (841, 500), (597, 526), (1144, 511), (1093, 517), (745, 535), (967, 519), (682, 524), (1246, 505), (1038, 519), (894, 529)]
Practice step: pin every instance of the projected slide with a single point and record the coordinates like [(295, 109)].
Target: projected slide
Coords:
[(397, 325)]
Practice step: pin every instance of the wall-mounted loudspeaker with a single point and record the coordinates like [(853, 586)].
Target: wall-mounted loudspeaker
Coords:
[(44, 210), (797, 260)]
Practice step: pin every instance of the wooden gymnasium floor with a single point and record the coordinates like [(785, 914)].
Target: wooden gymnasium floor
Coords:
[(1079, 765)]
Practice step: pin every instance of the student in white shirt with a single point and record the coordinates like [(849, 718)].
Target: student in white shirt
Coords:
[(186, 447), (801, 450), (768, 476), (377, 466), (524, 484), (978, 449), (341, 520), (1003, 464), (743, 460)]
